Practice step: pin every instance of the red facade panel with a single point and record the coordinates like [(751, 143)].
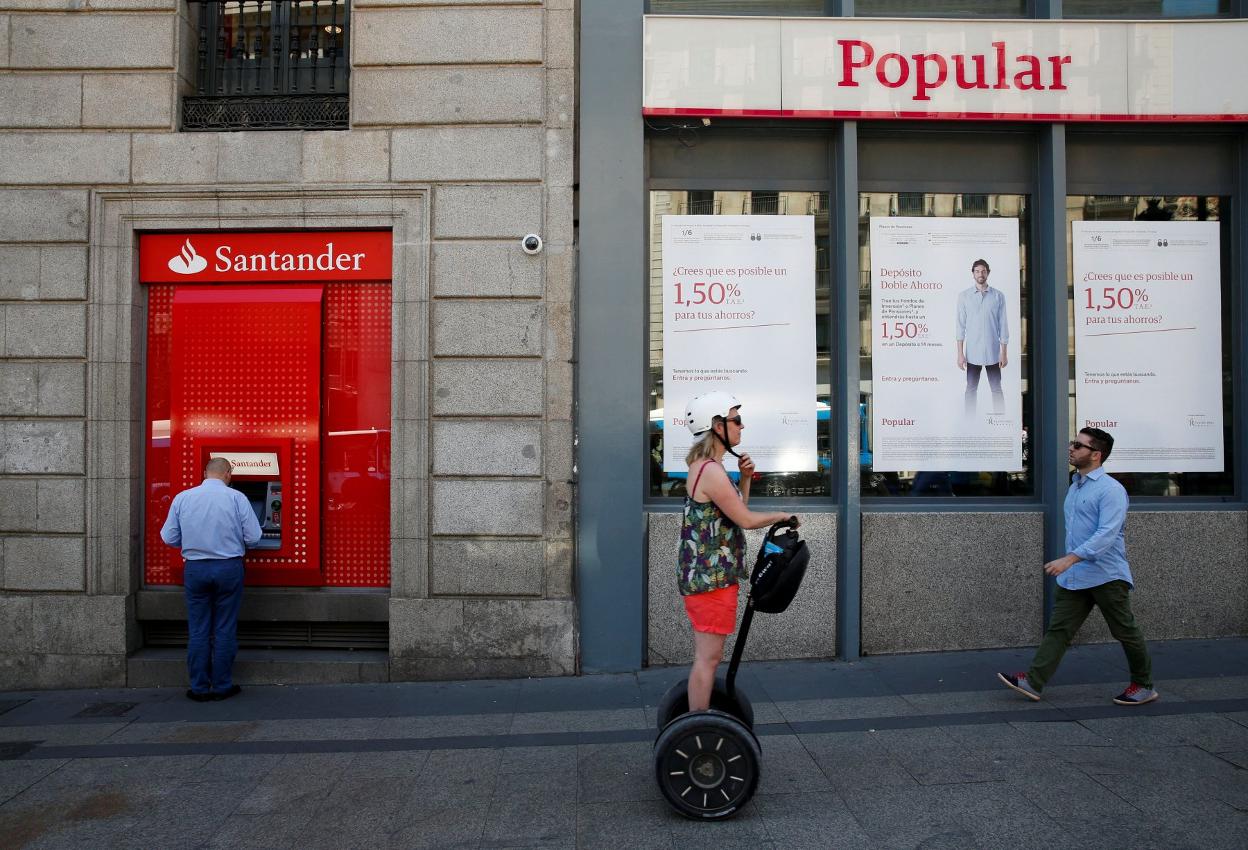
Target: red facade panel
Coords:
[(296, 373), (356, 435), (246, 369)]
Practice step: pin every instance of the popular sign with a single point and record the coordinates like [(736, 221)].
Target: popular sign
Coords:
[(243, 257), (1026, 70)]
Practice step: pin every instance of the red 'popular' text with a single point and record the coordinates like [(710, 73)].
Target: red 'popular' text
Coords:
[(926, 71)]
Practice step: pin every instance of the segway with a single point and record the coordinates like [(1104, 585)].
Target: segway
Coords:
[(707, 763)]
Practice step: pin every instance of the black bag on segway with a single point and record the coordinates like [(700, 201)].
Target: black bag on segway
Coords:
[(778, 572)]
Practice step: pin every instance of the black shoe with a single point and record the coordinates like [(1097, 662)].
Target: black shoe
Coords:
[(199, 696), (231, 691)]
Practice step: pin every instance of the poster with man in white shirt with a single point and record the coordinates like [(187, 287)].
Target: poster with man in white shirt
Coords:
[(945, 317)]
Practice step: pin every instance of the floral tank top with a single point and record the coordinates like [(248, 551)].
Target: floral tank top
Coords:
[(712, 547)]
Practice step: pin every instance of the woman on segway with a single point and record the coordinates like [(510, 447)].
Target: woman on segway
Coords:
[(712, 542)]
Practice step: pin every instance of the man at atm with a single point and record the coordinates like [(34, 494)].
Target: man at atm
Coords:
[(213, 524)]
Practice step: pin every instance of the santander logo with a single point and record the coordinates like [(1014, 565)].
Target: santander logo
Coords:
[(187, 261)]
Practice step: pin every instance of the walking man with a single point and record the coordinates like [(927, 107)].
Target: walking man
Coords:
[(1093, 571), (213, 524)]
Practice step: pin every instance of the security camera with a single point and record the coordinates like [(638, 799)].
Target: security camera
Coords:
[(532, 244)]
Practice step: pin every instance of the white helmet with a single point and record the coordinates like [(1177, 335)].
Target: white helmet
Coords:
[(702, 410)]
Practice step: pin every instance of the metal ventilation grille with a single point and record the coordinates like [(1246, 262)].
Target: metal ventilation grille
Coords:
[(274, 112), (281, 635)]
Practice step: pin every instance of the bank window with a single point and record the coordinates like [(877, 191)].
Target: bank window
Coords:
[(815, 483), (268, 65), (1144, 9), (940, 8), (1137, 310), (792, 8), (910, 323)]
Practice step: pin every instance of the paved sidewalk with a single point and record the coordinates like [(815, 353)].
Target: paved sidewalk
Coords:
[(892, 752)]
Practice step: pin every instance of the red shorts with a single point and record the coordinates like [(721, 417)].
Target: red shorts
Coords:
[(713, 611)]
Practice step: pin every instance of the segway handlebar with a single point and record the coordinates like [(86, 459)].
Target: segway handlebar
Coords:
[(782, 525)]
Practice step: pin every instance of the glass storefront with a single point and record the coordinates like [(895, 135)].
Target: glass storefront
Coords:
[(1145, 208), (1094, 9), (782, 128), (930, 483), (1144, 9), (758, 202), (928, 160)]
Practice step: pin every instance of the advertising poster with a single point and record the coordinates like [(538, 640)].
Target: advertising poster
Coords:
[(1148, 342), (739, 316), (946, 384)]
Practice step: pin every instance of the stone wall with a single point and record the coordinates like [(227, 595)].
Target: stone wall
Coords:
[(934, 581), (1191, 575), (468, 108), (807, 629)]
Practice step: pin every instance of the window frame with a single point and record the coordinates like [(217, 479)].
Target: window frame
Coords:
[(268, 95), (652, 500)]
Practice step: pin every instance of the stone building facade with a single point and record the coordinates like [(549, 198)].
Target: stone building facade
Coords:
[(460, 142)]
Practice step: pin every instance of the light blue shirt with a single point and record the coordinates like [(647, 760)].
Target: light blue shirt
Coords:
[(211, 521), (1096, 510), (982, 325)]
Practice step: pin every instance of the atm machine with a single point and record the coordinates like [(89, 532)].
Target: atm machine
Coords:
[(266, 501), (258, 476)]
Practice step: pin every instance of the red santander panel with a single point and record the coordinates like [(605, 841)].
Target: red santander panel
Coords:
[(356, 435), (160, 562), (246, 365)]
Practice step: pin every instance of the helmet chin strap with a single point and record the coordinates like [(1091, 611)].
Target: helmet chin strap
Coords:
[(723, 438)]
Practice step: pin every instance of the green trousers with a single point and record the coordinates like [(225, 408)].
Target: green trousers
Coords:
[(1070, 609)]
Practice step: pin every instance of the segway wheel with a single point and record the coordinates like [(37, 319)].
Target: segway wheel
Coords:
[(707, 764), (676, 702)]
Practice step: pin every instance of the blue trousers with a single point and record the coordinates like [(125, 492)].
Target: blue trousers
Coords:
[(994, 384), (214, 592)]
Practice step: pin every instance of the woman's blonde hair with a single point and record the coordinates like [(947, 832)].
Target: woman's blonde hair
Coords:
[(702, 448)]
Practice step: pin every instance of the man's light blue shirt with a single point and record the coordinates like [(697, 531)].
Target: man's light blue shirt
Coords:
[(1096, 511), (982, 325), (211, 521)]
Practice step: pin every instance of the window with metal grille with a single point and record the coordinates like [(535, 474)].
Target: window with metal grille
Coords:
[(911, 203), (269, 65)]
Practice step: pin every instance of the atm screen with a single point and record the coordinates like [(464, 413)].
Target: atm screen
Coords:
[(266, 501)]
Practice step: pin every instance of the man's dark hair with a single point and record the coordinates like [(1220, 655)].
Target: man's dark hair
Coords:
[(1100, 440), (983, 263)]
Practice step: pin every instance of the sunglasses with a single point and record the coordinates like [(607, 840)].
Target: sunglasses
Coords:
[(735, 420), (1075, 444)]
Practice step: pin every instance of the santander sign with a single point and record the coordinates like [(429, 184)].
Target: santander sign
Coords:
[(209, 257)]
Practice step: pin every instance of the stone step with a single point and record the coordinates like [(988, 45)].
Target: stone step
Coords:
[(166, 667)]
